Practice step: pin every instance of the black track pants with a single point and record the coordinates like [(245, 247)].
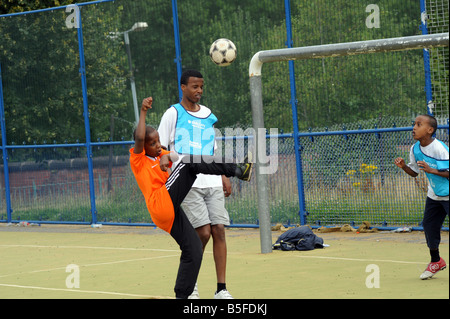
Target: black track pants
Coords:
[(433, 219), (179, 183)]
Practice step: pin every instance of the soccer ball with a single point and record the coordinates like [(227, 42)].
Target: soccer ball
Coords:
[(222, 52)]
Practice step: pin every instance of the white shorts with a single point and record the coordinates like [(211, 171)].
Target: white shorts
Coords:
[(206, 206)]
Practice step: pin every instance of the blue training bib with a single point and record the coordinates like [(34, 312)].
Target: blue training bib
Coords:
[(194, 135), (439, 184)]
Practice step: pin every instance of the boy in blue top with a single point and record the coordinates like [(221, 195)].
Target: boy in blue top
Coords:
[(430, 156)]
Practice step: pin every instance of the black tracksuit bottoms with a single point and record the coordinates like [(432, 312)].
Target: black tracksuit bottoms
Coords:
[(433, 219), (179, 184)]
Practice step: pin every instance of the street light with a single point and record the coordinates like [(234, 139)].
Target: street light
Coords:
[(138, 26)]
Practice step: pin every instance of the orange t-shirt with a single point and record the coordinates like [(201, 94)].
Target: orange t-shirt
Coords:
[(151, 181)]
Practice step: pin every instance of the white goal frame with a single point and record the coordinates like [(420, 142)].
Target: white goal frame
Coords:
[(302, 53)]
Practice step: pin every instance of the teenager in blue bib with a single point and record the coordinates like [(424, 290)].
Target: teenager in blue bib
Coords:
[(430, 155), (188, 128)]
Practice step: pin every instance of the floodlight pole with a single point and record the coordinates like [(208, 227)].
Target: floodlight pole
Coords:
[(132, 82), (314, 52), (138, 26)]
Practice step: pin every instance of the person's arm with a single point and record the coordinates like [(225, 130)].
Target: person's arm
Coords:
[(427, 169), (139, 137), (227, 188), (166, 160), (166, 127), (400, 162)]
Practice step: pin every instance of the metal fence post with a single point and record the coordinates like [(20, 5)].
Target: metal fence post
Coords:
[(298, 159), (86, 120), (176, 31), (5, 152), (426, 59)]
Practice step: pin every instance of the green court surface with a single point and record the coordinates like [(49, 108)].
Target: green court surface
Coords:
[(49, 261)]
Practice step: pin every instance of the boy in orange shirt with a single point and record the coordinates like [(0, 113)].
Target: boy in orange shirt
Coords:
[(164, 193)]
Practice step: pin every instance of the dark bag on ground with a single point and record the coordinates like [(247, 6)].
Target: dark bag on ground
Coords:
[(299, 238)]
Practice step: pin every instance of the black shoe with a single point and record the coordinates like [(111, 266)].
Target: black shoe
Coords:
[(245, 169)]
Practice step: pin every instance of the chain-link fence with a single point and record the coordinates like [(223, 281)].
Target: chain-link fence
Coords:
[(351, 178), (68, 104), (437, 21)]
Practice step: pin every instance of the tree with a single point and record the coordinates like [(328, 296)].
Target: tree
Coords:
[(12, 6), (41, 71), (40, 65)]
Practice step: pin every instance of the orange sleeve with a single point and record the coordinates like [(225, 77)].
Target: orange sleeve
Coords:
[(136, 160)]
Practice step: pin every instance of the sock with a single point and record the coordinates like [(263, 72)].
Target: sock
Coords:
[(434, 255), (221, 286)]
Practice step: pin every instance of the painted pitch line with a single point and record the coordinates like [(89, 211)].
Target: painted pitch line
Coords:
[(89, 247), (105, 248), (92, 265), (86, 291), (365, 260)]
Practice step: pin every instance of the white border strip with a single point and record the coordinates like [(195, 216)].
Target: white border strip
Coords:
[(89, 247), (91, 265), (87, 291), (365, 260)]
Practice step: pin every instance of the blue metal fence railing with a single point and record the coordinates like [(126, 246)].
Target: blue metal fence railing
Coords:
[(339, 169), (4, 152), (89, 182)]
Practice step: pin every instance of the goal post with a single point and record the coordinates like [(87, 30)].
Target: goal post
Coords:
[(312, 52)]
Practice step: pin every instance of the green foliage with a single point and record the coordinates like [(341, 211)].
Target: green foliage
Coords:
[(12, 6), (41, 76)]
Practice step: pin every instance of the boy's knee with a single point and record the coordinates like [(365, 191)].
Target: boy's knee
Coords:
[(218, 232), (204, 233)]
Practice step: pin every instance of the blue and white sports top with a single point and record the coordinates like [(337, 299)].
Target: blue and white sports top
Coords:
[(194, 135), (436, 156)]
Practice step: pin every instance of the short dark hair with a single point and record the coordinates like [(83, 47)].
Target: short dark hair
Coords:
[(432, 121), (148, 130), (189, 73)]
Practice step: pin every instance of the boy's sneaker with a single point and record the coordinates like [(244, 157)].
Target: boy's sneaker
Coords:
[(245, 168), (433, 268), (223, 294), (246, 171), (194, 294)]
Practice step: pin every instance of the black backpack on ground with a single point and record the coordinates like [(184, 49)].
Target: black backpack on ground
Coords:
[(299, 238)]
